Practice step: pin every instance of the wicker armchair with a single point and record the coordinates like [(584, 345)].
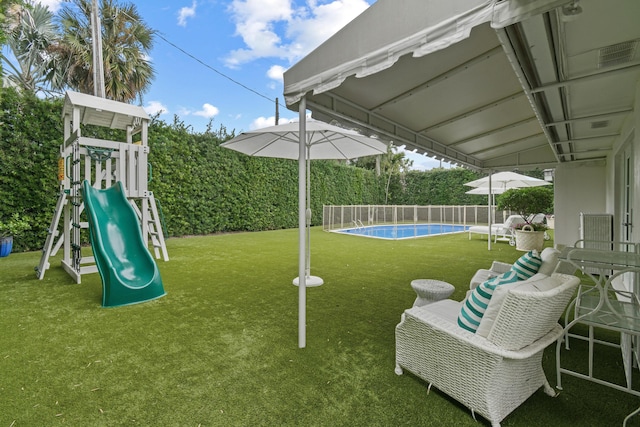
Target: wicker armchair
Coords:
[(494, 375)]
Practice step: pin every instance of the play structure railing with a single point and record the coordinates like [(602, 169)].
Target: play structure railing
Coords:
[(104, 162), (335, 217)]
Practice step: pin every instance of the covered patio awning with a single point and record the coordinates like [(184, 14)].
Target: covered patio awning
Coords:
[(487, 84)]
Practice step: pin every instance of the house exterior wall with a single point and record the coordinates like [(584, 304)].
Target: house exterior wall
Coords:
[(635, 138), (598, 187), (628, 141), (579, 187)]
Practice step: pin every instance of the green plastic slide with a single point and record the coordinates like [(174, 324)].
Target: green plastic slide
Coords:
[(129, 273)]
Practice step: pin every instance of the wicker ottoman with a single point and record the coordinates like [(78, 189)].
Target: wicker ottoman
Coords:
[(429, 291)]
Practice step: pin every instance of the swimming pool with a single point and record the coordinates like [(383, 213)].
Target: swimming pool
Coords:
[(405, 231)]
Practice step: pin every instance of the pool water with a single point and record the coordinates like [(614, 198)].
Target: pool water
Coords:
[(406, 231)]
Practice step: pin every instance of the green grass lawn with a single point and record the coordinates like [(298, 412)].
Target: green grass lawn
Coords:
[(220, 349)]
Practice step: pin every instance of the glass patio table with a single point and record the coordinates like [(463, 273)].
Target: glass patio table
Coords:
[(602, 305)]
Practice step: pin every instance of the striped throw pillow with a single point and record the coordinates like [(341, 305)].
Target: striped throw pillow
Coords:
[(527, 265), (476, 304)]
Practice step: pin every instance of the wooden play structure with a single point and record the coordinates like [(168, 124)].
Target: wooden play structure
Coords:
[(102, 163)]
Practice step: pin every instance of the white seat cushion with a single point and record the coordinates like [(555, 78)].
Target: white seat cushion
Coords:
[(482, 275), (539, 283), (447, 309), (481, 229), (549, 261)]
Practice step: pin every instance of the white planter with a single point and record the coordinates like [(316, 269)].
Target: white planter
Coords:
[(527, 239)]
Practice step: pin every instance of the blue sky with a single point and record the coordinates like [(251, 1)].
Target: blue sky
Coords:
[(202, 45)]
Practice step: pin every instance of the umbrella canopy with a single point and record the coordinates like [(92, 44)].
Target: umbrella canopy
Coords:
[(321, 141), (500, 182), (506, 181), (485, 190)]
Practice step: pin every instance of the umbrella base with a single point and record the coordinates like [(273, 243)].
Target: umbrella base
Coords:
[(310, 281)]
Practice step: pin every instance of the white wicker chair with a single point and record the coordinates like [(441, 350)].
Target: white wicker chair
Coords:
[(494, 375)]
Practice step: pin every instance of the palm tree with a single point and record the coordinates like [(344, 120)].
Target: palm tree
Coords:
[(126, 41), (30, 34), (3, 13), (394, 163), (391, 163)]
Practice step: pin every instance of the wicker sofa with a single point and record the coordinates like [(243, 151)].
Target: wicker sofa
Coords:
[(494, 374)]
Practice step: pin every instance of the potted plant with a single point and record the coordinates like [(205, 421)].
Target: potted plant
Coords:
[(9, 228), (528, 202)]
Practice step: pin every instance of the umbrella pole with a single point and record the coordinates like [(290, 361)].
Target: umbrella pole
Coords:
[(310, 280), (308, 213), (302, 285), (490, 212)]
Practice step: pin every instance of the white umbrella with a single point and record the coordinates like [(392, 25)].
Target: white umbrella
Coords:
[(322, 141), (506, 181), (485, 191), (498, 183)]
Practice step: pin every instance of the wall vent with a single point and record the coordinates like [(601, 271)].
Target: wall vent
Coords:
[(617, 54), (596, 231), (599, 124)]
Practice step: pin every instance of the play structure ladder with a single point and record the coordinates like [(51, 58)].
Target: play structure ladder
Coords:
[(155, 229), (153, 225), (52, 233)]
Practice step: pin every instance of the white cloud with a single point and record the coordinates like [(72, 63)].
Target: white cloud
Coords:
[(186, 12), (208, 111), (183, 111), (272, 28), (263, 122), (276, 72), (53, 5), (307, 33), (155, 107), (422, 162)]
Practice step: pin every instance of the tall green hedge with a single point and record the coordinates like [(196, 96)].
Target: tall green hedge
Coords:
[(30, 138), (440, 187), (202, 188)]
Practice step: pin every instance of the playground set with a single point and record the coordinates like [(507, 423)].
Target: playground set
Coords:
[(114, 175)]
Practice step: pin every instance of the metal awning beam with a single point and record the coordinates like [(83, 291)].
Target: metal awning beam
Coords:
[(591, 118), (470, 113), (507, 144), (587, 78), (442, 77), (495, 131), (399, 135)]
